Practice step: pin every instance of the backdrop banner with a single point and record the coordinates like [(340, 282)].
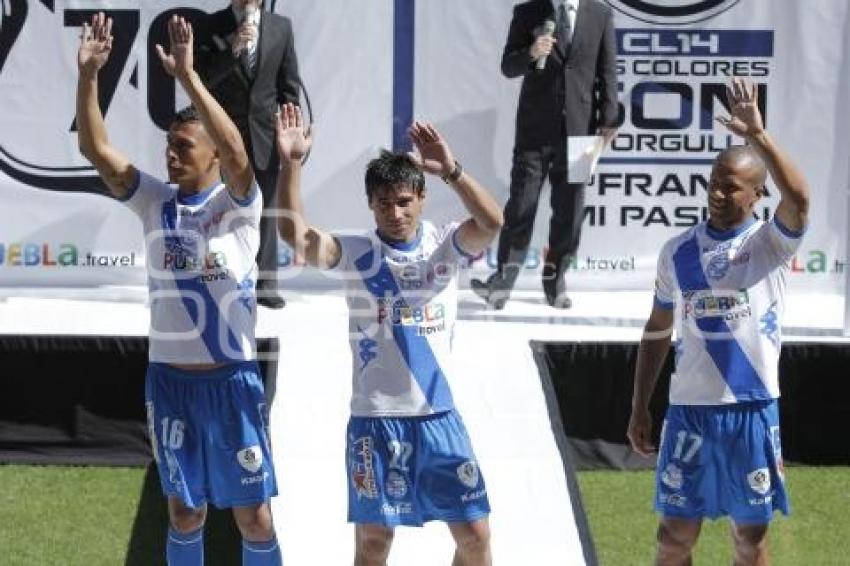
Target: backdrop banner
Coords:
[(369, 67)]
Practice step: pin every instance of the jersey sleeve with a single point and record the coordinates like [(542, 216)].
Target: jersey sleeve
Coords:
[(784, 241), (146, 192), (665, 282), (455, 251), (251, 206)]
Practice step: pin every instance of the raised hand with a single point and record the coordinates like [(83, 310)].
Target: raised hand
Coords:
[(745, 118), (95, 44), (179, 62), (434, 156), (293, 140)]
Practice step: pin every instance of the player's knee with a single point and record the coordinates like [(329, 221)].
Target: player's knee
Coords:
[(255, 522), (473, 538), (186, 519), (374, 540), (677, 539), (750, 538)]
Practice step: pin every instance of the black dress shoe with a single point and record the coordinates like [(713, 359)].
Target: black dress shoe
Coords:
[(268, 296), (555, 288), (489, 290), (272, 301)]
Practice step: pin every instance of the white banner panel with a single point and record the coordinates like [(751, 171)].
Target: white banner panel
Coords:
[(674, 58)]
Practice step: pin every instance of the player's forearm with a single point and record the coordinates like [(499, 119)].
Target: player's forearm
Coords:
[(652, 352), (91, 129), (482, 207), (219, 126), (788, 179), (291, 224)]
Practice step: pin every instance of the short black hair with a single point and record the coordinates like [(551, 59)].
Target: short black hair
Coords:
[(188, 114), (393, 170), (743, 155)]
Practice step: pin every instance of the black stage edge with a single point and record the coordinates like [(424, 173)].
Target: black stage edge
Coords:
[(579, 516), (592, 389), (79, 400)]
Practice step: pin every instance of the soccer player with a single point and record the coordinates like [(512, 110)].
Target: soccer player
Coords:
[(207, 412), (720, 448), (408, 454)]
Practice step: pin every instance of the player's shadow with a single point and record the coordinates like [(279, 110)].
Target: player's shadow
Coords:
[(222, 541)]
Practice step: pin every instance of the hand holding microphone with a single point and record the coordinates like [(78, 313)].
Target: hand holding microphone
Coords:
[(249, 29), (542, 46)]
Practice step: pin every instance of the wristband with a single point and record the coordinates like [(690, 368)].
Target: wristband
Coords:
[(455, 174)]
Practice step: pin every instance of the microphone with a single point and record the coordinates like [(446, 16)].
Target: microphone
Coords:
[(547, 29), (252, 18)]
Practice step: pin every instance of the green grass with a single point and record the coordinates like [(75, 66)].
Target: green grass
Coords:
[(622, 522), (67, 516), (87, 516)]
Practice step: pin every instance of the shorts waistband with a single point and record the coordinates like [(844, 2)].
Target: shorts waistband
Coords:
[(214, 374)]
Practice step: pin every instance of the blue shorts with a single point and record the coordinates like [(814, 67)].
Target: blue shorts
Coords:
[(721, 460), (409, 470), (209, 434)]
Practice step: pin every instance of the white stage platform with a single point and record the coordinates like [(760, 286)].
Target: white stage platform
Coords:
[(500, 396)]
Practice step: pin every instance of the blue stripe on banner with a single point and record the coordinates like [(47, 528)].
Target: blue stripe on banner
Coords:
[(415, 349), (404, 17), (655, 161), (210, 331), (730, 359), (667, 43)]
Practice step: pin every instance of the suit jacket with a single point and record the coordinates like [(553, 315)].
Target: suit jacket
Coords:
[(576, 92), (251, 103)]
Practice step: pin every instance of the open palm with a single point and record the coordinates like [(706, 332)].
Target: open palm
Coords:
[(178, 62), (434, 154), (95, 43), (744, 115), (293, 140)]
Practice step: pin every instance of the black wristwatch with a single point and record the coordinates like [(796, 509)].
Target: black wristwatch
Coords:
[(455, 173)]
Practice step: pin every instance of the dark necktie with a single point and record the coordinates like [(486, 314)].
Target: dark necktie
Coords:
[(563, 28)]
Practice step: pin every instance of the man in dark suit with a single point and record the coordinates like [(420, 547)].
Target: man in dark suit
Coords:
[(246, 57), (569, 88)]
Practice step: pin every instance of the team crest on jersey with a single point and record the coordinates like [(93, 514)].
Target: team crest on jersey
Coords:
[(361, 458), (672, 476), (468, 474), (250, 458), (396, 485), (718, 266), (759, 481)]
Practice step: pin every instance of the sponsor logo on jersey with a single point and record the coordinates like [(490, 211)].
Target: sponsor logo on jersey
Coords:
[(362, 468), (250, 458), (400, 313), (468, 474), (731, 305), (759, 481), (672, 476), (770, 325)]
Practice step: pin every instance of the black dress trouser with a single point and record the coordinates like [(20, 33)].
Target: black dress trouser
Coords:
[(530, 169)]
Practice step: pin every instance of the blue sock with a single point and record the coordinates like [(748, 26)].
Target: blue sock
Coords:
[(261, 553), (185, 550)]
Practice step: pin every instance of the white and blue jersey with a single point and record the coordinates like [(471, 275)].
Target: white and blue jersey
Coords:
[(201, 267), (402, 301), (729, 289)]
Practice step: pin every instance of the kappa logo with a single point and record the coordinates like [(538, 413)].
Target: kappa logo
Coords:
[(250, 458), (759, 481), (468, 474), (671, 13)]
